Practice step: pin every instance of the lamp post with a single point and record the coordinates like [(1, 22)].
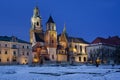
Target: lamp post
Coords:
[(97, 62)]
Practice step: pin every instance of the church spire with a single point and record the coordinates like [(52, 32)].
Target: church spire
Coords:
[(36, 12), (51, 24), (36, 19), (50, 20), (64, 29)]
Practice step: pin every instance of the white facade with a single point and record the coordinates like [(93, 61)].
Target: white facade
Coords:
[(80, 54), (52, 54), (15, 52), (102, 51)]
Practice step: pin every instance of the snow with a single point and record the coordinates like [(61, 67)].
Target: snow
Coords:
[(83, 72)]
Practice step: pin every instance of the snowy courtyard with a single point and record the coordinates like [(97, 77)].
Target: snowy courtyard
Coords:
[(82, 72)]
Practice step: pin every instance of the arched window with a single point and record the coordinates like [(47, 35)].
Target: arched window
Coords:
[(79, 58), (28, 53), (7, 59), (37, 23), (5, 52), (14, 53), (52, 56), (84, 58), (5, 45), (23, 47), (52, 41)]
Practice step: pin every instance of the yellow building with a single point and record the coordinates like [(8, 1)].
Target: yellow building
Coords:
[(14, 51), (62, 48), (78, 49)]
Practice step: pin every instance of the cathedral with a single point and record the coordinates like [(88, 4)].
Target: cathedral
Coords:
[(47, 45)]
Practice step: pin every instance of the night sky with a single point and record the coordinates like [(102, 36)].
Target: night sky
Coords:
[(86, 19)]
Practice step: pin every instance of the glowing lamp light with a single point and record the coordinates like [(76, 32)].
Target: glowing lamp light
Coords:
[(35, 60), (98, 60), (74, 50)]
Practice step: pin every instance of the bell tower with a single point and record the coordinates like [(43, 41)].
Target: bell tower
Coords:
[(36, 20), (36, 30), (51, 38)]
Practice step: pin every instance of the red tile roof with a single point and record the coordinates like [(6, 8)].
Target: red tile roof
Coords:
[(115, 40)]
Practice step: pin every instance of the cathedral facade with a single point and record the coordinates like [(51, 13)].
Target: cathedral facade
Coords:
[(47, 45)]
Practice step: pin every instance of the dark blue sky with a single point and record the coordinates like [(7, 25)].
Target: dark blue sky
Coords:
[(87, 19)]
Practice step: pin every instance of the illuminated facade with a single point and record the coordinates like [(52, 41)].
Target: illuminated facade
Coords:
[(51, 39), (103, 49), (78, 49), (56, 47), (62, 48), (14, 51)]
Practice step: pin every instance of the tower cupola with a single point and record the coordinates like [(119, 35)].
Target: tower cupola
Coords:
[(51, 24), (36, 12), (36, 20)]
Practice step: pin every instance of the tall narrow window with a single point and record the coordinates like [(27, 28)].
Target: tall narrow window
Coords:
[(52, 56), (0, 52), (84, 58), (85, 49), (62, 52), (75, 46), (80, 48), (5, 45), (37, 23), (14, 53), (5, 52), (79, 58), (27, 47), (0, 59), (23, 47), (27, 53), (7, 59), (52, 41)]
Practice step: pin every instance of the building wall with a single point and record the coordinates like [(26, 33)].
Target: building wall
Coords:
[(80, 52), (81, 58), (61, 57), (80, 47), (20, 52), (52, 54), (101, 49)]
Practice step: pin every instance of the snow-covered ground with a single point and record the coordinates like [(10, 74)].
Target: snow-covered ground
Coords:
[(60, 73)]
